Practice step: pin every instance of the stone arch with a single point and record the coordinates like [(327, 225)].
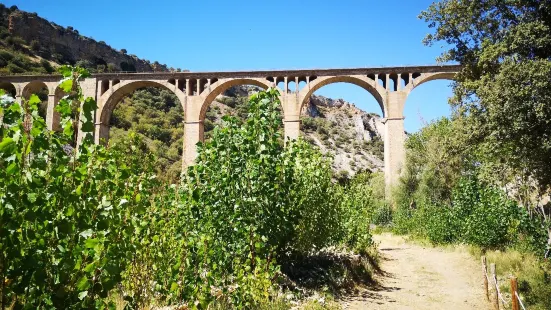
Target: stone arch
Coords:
[(222, 85), (419, 79), (111, 98), (53, 118), (37, 88), (426, 77), (9, 88), (360, 81), (34, 87)]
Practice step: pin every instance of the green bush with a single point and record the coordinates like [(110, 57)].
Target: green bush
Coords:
[(356, 207), (382, 215), (83, 226)]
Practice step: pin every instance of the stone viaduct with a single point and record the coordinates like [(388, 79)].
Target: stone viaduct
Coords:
[(390, 86)]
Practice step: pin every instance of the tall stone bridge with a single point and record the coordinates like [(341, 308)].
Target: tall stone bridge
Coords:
[(196, 90)]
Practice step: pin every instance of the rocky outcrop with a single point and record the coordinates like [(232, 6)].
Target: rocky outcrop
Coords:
[(353, 137), (66, 45)]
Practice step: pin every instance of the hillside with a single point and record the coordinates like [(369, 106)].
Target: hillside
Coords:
[(30, 44)]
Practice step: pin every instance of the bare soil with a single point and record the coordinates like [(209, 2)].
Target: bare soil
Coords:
[(420, 277)]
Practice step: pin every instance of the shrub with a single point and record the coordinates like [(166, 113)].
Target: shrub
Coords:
[(83, 224), (356, 207), (382, 215), (47, 66), (13, 68), (35, 45), (489, 219)]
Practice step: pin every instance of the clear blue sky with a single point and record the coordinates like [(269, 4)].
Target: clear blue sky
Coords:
[(241, 35)]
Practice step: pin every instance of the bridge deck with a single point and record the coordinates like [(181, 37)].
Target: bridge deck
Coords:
[(244, 74)]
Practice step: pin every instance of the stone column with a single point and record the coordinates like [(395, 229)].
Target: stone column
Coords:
[(52, 117), (89, 90), (394, 138), (193, 133), (291, 114), (101, 134), (291, 125), (395, 154)]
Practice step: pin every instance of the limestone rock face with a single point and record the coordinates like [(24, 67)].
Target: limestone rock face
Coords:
[(353, 137), (70, 46)]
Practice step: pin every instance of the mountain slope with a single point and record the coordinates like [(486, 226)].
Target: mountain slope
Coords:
[(31, 44)]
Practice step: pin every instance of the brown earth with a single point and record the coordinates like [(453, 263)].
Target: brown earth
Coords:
[(421, 277)]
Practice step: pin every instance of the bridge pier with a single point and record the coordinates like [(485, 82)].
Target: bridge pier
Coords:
[(394, 140), (196, 90), (193, 134), (291, 127)]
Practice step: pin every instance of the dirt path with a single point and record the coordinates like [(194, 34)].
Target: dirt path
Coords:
[(417, 277)]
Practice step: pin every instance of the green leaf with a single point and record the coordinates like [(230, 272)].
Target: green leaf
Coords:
[(12, 168), (91, 243), (34, 100), (63, 107), (65, 70), (7, 145), (82, 295), (83, 283), (173, 286), (89, 267), (66, 85), (31, 197)]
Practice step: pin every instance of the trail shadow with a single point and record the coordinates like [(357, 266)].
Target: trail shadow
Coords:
[(339, 274), (391, 249)]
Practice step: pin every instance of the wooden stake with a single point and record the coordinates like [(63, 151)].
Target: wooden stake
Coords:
[(485, 277), (514, 293), (494, 278)]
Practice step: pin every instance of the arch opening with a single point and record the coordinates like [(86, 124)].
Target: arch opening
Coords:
[(404, 77), (427, 102), (302, 84), (155, 113), (281, 86), (9, 88), (104, 86), (349, 128), (229, 98), (381, 79), (291, 86), (41, 90), (393, 82)]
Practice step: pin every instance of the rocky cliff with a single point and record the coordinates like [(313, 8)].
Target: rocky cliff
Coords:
[(43, 39)]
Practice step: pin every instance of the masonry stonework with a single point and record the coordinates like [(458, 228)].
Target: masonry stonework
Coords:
[(197, 90)]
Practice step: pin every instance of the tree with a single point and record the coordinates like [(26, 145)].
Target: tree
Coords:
[(124, 51), (503, 91), (111, 67)]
